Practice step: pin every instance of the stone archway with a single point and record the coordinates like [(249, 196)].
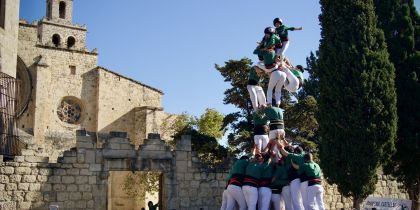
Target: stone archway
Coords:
[(118, 154)]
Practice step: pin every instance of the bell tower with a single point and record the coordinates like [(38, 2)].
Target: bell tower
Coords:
[(60, 11)]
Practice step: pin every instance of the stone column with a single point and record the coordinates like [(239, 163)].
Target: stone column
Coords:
[(42, 83), (147, 120)]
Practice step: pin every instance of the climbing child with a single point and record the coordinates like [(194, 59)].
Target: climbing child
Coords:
[(265, 50), (294, 79), (256, 92), (260, 131), (282, 32)]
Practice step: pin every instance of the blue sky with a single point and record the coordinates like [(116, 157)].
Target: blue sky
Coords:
[(173, 45)]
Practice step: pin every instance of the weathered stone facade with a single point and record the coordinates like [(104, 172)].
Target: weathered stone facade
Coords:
[(58, 70), (9, 21), (80, 178)]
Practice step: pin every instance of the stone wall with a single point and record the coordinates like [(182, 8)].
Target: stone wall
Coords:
[(80, 179), (8, 39), (120, 105)]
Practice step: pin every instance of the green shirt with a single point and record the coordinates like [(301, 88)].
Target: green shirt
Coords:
[(282, 31), (254, 170), (311, 169), (280, 176), (238, 167), (268, 56), (253, 75), (274, 113), (260, 119), (270, 42), (297, 73), (297, 158), (267, 170)]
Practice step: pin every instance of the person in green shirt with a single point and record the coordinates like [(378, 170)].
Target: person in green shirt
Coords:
[(264, 190), (260, 131), (315, 191), (275, 115), (294, 79), (279, 187), (282, 32), (296, 187), (265, 50), (251, 181), (256, 92), (234, 188)]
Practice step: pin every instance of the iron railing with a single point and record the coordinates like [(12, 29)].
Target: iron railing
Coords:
[(9, 140)]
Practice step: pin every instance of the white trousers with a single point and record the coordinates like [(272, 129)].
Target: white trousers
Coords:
[(256, 93), (272, 135), (304, 193), (287, 198), (251, 196), (276, 201), (277, 79), (264, 197), (315, 197), (225, 199), (292, 83), (295, 194), (260, 141), (235, 192), (280, 52)]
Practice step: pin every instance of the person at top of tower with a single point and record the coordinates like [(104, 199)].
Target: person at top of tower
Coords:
[(265, 50), (282, 32), (294, 79), (256, 92)]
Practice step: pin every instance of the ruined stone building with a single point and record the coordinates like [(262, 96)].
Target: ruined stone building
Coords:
[(82, 124)]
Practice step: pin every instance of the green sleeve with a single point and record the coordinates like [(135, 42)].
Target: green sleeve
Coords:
[(290, 28)]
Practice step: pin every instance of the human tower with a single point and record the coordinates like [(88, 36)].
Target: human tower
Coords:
[(277, 175)]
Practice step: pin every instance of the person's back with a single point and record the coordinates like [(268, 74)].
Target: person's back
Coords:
[(151, 206)]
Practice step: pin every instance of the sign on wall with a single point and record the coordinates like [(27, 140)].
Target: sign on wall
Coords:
[(375, 203)]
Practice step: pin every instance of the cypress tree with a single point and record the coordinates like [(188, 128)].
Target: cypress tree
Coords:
[(357, 102), (399, 21)]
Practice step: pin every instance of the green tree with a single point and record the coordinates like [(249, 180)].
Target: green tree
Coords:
[(311, 85), (205, 132), (399, 21), (211, 123), (136, 184), (301, 123), (357, 102), (235, 72)]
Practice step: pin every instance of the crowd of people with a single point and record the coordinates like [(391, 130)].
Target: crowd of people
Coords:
[(276, 174)]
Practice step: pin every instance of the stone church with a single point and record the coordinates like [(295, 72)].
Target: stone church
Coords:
[(63, 89)]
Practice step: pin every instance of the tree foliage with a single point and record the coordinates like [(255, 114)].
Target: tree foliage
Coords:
[(135, 185), (301, 124), (399, 21), (357, 102), (205, 132), (235, 72)]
